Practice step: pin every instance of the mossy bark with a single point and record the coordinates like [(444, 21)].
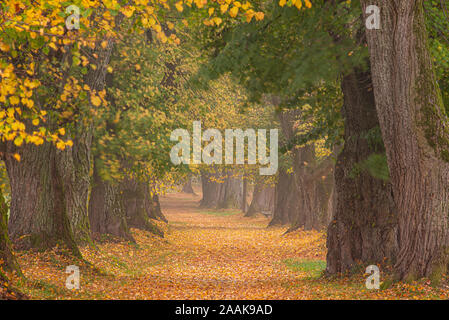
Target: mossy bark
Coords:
[(38, 214), (414, 130)]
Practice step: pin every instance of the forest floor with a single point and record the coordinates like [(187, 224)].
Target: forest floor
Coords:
[(205, 254)]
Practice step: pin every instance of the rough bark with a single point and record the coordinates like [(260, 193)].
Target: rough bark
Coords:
[(364, 224), (263, 199), (106, 209), (75, 164), (414, 130), (38, 214), (49, 187)]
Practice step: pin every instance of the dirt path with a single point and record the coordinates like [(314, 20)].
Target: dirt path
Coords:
[(227, 256)]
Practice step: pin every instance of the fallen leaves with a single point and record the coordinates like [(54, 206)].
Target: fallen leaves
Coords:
[(205, 256)]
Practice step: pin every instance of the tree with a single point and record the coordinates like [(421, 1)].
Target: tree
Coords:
[(313, 175), (106, 209), (263, 199), (286, 204), (187, 186), (414, 129), (364, 223)]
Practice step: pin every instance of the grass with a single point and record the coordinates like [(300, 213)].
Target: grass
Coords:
[(313, 268)]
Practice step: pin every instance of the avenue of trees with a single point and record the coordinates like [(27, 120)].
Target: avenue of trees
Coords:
[(86, 115)]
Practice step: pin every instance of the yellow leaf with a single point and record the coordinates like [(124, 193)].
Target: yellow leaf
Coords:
[(224, 8), (308, 3), (53, 46), (217, 20), (16, 156), (4, 46), (179, 6), (61, 131), (60, 145), (127, 11), (234, 11), (14, 100), (35, 122), (259, 16), (18, 141), (158, 28), (282, 2), (96, 101)]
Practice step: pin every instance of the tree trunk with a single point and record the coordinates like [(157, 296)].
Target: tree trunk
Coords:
[(364, 224), (244, 206), (414, 129), (187, 187), (75, 164), (137, 211), (38, 214), (154, 207), (211, 189), (286, 205), (314, 183), (8, 261), (313, 180), (263, 200), (106, 209), (232, 192)]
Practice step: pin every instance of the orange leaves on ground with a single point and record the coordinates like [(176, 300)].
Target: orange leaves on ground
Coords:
[(206, 254)]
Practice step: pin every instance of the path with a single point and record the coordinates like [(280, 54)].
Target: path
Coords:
[(205, 254)]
